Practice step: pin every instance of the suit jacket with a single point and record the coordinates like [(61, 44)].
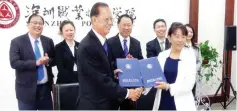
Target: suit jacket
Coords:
[(65, 63), (182, 88), (153, 47), (22, 59), (97, 88), (117, 50)]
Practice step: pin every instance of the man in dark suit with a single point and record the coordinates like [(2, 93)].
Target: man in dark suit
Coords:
[(97, 90), (124, 46), (32, 56), (160, 43), (153, 48)]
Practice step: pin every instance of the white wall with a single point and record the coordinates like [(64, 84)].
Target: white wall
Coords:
[(146, 12), (211, 27), (233, 68)]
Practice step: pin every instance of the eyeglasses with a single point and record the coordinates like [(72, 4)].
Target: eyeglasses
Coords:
[(109, 19), (106, 19), (35, 23)]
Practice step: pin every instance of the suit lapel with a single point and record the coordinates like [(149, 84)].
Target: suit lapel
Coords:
[(44, 44), (29, 46), (76, 45), (75, 50), (132, 46), (98, 43), (119, 47), (100, 47), (157, 45), (67, 49)]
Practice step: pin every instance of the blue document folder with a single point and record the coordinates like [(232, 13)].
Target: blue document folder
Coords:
[(151, 72), (130, 75)]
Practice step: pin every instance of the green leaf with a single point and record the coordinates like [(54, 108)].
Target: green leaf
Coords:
[(210, 54)]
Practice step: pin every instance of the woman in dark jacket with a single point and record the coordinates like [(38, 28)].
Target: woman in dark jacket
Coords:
[(65, 54)]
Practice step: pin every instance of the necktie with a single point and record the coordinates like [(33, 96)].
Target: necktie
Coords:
[(125, 47), (106, 48), (40, 71), (162, 45)]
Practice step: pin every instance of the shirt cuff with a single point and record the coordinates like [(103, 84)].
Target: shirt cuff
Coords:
[(168, 86)]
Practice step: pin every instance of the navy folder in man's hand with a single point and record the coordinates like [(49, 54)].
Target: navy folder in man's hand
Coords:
[(151, 72), (130, 75)]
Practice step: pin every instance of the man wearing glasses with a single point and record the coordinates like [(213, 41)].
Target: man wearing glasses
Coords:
[(32, 57), (98, 90)]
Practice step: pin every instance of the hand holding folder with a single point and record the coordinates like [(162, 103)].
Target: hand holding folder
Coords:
[(140, 73), (151, 72), (130, 75)]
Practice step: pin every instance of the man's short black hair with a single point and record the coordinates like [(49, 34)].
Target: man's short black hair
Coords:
[(158, 20), (124, 15), (34, 15)]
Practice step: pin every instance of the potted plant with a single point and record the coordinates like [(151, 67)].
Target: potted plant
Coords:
[(210, 62)]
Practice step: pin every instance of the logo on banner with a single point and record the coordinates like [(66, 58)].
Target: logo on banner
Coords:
[(9, 13)]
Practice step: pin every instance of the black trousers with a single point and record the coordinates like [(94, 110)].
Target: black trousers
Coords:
[(43, 100)]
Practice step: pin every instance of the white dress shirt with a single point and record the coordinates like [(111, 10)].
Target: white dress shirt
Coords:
[(32, 41), (159, 40), (72, 48), (102, 41), (121, 38), (100, 37)]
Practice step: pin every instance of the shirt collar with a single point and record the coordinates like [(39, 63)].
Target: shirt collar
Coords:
[(159, 40), (121, 38), (100, 37), (69, 45), (33, 39)]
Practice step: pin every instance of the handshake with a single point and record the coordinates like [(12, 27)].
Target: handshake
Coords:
[(134, 94)]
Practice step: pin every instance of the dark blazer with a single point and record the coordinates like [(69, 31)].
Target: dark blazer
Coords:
[(97, 88), (117, 50), (22, 59), (65, 63), (153, 47)]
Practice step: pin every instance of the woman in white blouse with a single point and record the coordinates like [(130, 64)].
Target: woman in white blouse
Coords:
[(179, 67), (192, 45)]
